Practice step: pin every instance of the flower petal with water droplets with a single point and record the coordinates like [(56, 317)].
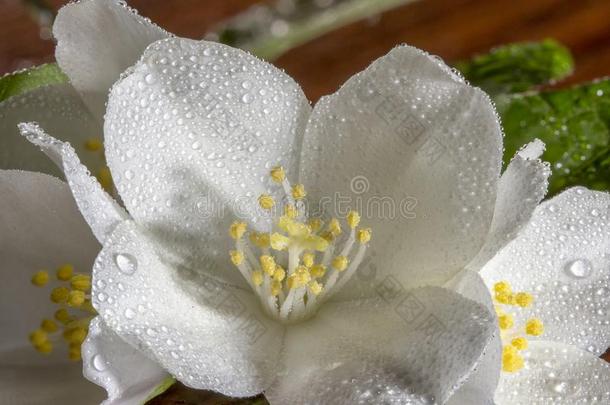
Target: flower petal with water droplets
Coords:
[(128, 376), (556, 374), (562, 257), (521, 188), (191, 134), (100, 211), (207, 334), (421, 151), (40, 228), (418, 346), (96, 41), (59, 109)]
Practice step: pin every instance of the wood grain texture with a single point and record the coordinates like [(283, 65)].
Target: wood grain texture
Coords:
[(452, 29)]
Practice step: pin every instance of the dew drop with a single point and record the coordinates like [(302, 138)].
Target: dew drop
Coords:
[(126, 263), (130, 313), (579, 268), (98, 362)]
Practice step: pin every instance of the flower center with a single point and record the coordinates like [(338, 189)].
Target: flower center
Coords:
[(300, 262), (513, 337), (71, 298)]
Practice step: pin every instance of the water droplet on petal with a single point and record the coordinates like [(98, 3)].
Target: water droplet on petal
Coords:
[(579, 268), (126, 263)]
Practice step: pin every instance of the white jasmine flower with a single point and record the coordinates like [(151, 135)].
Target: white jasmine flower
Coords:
[(213, 271)]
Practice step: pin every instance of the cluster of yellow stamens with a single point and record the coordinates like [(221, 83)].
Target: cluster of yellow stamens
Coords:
[(103, 176), (73, 313), (297, 266), (513, 338)]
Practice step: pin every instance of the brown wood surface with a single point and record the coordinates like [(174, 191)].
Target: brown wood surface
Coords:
[(452, 29)]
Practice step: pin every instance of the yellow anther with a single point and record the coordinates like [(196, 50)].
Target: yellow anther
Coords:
[(298, 191), (93, 144), (315, 242), (279, 274), (48, 325), (63, 316), (334, 227), (363, 235), (266, 201), (276, 288), (268, 264), (292, 281), (505, 321), (45, 347), (339, 263), (278, 174), (523, 299), (74, 352), (38, 337), (519, 343), (76, 298), (64, 272), (511, 359), (534, 327), (279, 241), (104, 177), (237, 229), (303, 275), (314, 287), (353, 219), (81, 282), (75, 335), (40, 278), (308, 259), (237, 257), (59, 294), (317, 271), (503, 287), (261, 240), (505, 298), (315, 224), (290, 211), (294, 228), (257, 277)]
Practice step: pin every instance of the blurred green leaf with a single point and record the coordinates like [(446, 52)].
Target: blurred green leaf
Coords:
[(29, 79), (575, 125), (518, 67)]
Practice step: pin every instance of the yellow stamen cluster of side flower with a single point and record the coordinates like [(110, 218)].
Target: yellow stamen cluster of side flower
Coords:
[(512, 338), (72, 314)]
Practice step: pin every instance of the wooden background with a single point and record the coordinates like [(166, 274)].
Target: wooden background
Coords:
[(452, 29)]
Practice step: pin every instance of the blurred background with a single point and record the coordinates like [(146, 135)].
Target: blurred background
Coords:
[(340, 44)]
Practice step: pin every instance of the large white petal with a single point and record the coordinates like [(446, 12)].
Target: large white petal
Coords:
[(207, 334), (96, 41), (128, 377), (59, 109), (562, 257), (521, 188), (40, 228), (100, 210), (481, 384), (419, 151), (556, 374), (417, 347), (191, 134)]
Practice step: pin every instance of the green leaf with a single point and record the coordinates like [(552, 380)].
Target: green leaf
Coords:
[(575, 125), (161, 388), (518, 67), (29, 79)]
